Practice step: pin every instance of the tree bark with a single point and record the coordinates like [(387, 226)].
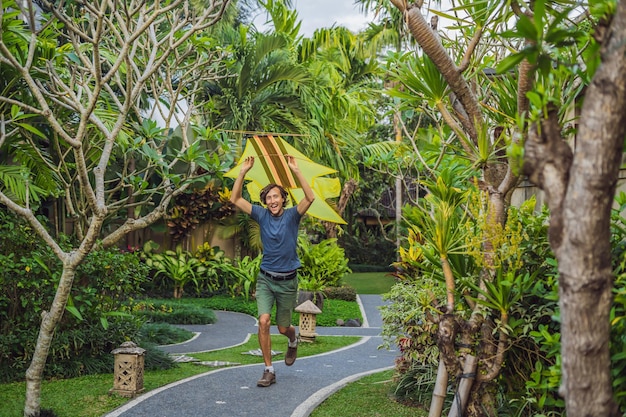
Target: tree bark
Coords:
[(348, 189), (581, 195), (49, 322)]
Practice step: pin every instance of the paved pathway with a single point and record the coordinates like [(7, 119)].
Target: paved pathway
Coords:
[(232, 391)]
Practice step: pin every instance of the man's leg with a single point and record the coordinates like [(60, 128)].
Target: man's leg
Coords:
[(265, 300), (285, 303), (265, 341), (290, 332)]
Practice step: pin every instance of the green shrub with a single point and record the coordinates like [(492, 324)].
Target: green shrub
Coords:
[(415, 385), (179, 265), (156, 359), (533, 381), (163, 334), (323, 264), (618, 311), (405, 323), (174, 313), (94, 323), (345, 293), (239, 276)]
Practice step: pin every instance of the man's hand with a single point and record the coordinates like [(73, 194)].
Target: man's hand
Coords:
[(291, 161), (247, 164)]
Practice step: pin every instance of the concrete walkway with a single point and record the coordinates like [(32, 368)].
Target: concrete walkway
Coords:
[(232, 391)]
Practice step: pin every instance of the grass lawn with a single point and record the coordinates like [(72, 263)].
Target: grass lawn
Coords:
[(333, 309), (369, 282), (366, 397)]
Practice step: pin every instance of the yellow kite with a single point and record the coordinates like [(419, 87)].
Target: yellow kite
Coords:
[(270, 151)]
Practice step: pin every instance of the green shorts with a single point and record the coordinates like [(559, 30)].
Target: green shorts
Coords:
[(283, 293)]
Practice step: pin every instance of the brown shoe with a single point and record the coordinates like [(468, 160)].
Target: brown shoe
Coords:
[(292, 354), (268, 379)]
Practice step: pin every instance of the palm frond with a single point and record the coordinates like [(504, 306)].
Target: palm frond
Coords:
[(379, 149), (15, 183)]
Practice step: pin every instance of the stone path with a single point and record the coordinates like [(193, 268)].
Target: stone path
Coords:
[(232, 391)]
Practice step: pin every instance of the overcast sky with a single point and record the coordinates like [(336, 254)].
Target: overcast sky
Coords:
[(315, 14)]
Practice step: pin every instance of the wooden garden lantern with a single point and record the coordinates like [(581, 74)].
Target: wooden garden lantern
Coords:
[(128, 373), (308, 312)]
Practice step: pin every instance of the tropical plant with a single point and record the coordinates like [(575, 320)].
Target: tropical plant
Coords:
[(96, 320), (178, 265), (527, 102), (260, 92), (245, 272), (195, 207), (323, 264)]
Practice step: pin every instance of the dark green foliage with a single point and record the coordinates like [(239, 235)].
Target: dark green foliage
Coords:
[(163, 334), (94, 323), (174, 313), (46, 413), (155, 359), (415, 385), (340, 293), (368, 248), (618, 311)]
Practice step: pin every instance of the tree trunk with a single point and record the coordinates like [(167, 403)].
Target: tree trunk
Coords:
[(439, 392), (580, 195), (586, 278), (348, 189), (463, 391), (49, 322)]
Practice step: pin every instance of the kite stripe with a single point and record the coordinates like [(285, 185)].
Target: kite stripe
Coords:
[(279, 145), (274, 163), (274, 166), (264, 162)]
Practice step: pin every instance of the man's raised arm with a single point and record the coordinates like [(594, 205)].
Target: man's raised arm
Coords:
[(235, 197), (309, 196)]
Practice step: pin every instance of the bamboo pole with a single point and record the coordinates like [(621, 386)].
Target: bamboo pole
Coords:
[(439, 393), (467, 379)]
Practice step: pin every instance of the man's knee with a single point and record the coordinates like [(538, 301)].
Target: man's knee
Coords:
[(284, 330), (264, 323)]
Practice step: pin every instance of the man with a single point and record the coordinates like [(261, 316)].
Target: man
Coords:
[(277, 282)]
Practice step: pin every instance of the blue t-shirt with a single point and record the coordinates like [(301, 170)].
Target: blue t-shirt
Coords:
[(279, 236)]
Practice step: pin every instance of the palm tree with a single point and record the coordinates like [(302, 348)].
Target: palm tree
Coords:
[(389, 32), (317, 90), (260, 90)]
